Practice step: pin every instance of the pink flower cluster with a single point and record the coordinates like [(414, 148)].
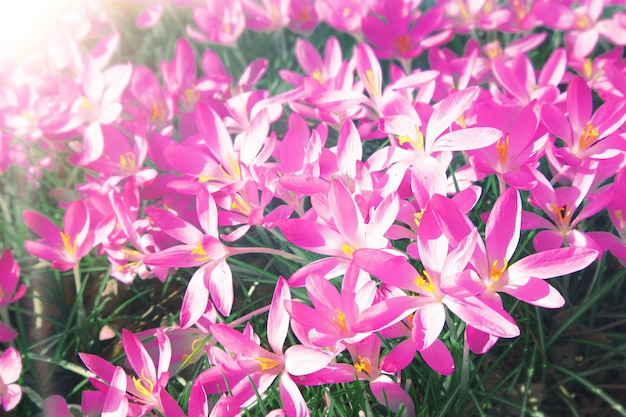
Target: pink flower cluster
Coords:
[(218, 168)]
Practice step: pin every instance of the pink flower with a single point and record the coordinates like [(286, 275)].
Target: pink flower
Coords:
[(219, 22), (10, 369), (64, 248)]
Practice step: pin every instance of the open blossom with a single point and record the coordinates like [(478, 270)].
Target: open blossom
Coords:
[(63, 248)]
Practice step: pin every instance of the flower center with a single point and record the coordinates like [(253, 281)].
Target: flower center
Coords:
[(128, 162), (266, 363), (402, 44), (425, 282), (199, 250), (588, 136), (349, 248), (564, 214), (363, 365), (340, 321), (69, 247), (502, 146)]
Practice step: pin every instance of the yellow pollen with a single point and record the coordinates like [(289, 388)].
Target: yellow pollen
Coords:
[(417, 217), (402, 44), (461, 121), (417, 143), (340, 321), (266, 363), (363, 365), (496, 273), (564, 213), (129, 266), (370, 82), (425, 282), (204, 178), (588, 136), (157, 111), (191, 95), (588, 68), (317, 75), (502, 146), (349, 248), (464, 13), (521, 8), (86, 104), (29, 116), (583, 22), (71, 249), (234, 167), (147, 391), (128, 162), (241, 205), (199, 250), (493, 50)]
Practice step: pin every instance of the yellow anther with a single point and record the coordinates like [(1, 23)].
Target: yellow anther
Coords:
[(199, 250), (588, 136), (588, 68), (564, 213), (191, 95), (69, 247), (417, 217), (425, 282), (349, 248), (157, 111), (128, 162), (139, 384), (86, 104), (317, 75), (204, 178), (363, 365), (496, 273), (340, 321), (241, 205), (369, 75), (266, 363), (346, 11), (502, 146), (583, 22)]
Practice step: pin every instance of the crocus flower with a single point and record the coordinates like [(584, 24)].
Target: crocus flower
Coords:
[(63, 248), (524, 279), (561, 205), (10, 369), (585, 135), (264, 366), (219, 22)]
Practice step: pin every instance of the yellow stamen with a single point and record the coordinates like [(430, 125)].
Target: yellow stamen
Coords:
[(349, 248), (564, 213), (363, 365), (496, 273), (425, 282), (191, 95), (417, 143), (317, 75), (241, 205), (86, 104), (147, 391), (461, 121), (588, 68), (71, 249), (204, 178), (369, 75), (128, 162), (234, 167), (464, 13), (199, 250), (402, 43), (157, 111), (266, 363), (346, 11), (502, 147), (493, 50), (417, 217), (340, 321), (129, 266), (583, 22), (588, 136)]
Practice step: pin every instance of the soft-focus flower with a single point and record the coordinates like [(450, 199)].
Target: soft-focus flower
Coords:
[(10, 369)]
